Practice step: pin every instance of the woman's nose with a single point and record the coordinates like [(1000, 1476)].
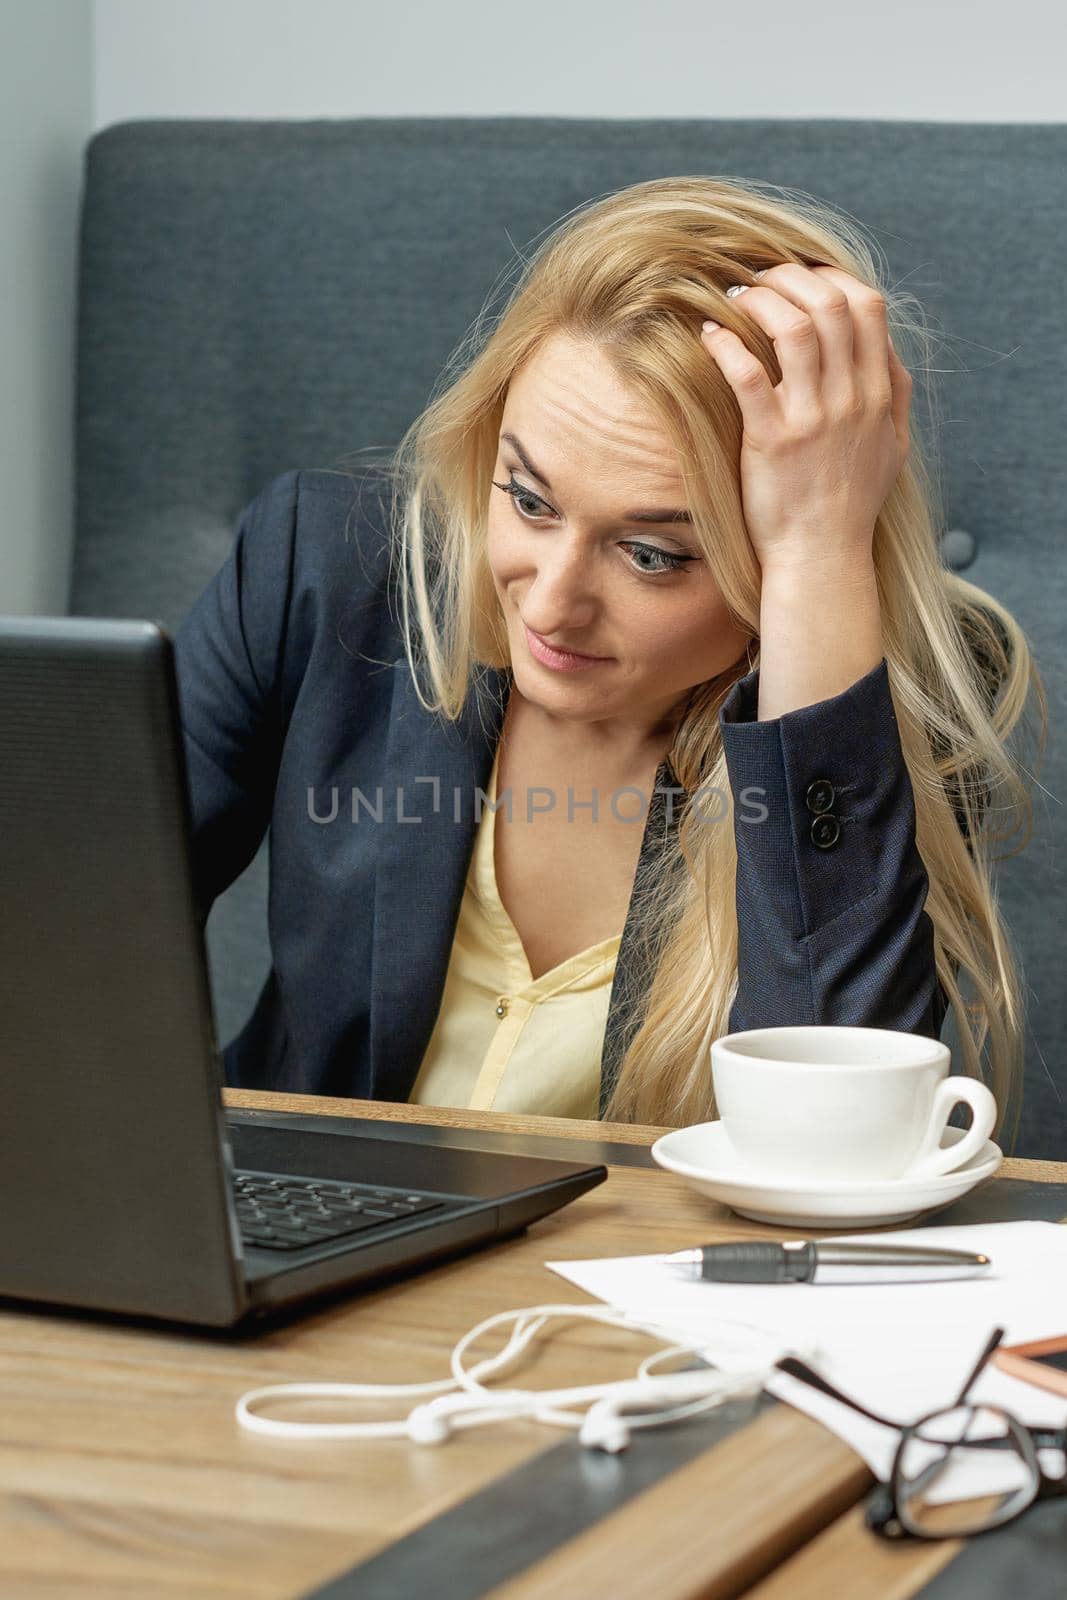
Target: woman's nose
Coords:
[(561, 593)]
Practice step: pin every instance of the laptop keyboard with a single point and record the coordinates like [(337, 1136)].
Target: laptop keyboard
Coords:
[(276, 1213)]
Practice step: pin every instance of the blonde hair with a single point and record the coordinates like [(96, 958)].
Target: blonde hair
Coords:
[(635, 273)]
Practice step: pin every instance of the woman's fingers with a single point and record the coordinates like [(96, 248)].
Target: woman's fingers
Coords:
[(822, 448), (746, 375), (870, 333), (795, 337), (792, 297)]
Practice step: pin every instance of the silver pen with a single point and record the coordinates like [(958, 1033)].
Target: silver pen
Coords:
[(804, 1261)]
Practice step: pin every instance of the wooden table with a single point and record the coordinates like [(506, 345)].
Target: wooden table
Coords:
[(125, 1473)]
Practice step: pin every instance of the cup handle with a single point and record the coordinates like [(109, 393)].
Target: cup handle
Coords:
[(930, 1158)]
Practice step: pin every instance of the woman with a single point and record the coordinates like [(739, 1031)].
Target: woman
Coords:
[(729, 528)]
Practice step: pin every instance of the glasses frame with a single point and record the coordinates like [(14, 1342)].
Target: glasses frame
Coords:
[(884, 1514)]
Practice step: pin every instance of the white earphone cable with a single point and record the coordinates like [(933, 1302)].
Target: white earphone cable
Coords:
[(464, 1401)]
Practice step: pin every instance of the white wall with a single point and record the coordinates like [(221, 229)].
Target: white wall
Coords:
[(45, 119), (935, 60)]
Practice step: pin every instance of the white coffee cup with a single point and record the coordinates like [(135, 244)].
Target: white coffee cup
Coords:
[(840, 1104)]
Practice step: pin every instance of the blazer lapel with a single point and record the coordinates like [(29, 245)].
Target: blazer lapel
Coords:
[(432, 768), (427, 835), (635, 964)]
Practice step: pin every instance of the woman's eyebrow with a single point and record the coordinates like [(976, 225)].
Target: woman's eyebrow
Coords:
[(655, 515)]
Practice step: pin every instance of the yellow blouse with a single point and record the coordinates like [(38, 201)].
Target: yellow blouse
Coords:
[(504, 1041)]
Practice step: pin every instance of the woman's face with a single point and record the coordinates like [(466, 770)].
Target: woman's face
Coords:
[(574, 562)]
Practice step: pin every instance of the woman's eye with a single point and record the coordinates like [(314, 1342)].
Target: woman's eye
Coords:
[(662, 560), (671, 563), (518, 493)]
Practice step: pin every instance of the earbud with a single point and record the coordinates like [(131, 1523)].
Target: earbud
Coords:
[(603, 1429), (425, 1426)]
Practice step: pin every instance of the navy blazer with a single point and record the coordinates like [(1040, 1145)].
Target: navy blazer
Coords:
[(295, 691)]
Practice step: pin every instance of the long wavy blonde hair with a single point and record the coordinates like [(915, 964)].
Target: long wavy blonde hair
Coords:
[(636, 272)]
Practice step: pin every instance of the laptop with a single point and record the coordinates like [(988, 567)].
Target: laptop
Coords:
[(126, 1186)]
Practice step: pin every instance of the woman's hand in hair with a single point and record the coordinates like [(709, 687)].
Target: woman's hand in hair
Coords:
[(822, 448)]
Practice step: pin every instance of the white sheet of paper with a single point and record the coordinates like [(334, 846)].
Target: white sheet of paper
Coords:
[(899, 1349)]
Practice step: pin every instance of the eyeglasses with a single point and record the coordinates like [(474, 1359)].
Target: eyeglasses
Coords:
[(948, 1451)]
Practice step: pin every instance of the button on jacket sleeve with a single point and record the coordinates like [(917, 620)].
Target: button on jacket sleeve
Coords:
[(830, 884)]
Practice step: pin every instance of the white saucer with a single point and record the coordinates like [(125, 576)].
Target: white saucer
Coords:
[(703, 1155)]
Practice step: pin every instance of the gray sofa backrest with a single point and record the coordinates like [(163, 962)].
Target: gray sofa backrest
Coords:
[(256, 296)]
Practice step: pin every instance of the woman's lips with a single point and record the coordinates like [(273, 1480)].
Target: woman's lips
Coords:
[(559, 660)]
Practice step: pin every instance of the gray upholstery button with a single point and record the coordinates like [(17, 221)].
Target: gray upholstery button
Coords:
[(820, 795), (958, 548), (825, 832)]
